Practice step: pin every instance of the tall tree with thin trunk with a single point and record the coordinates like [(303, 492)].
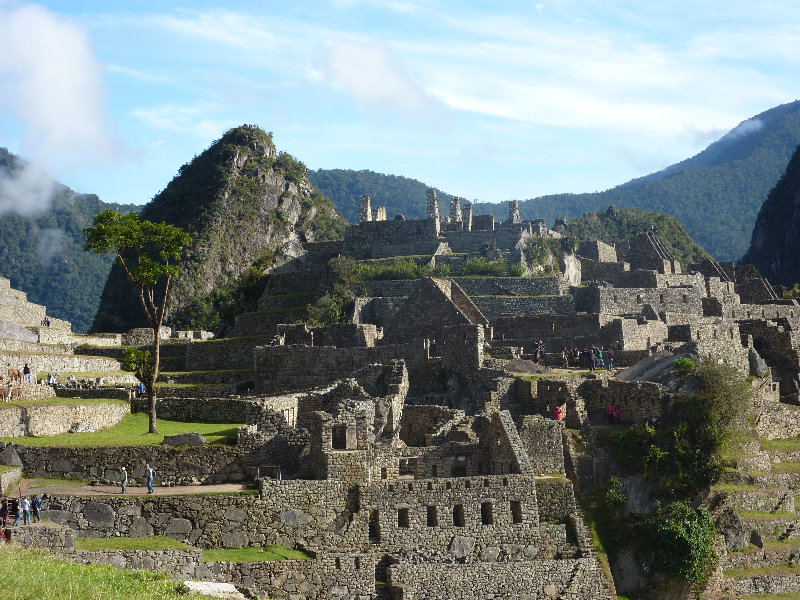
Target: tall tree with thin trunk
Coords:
[(149, 254)]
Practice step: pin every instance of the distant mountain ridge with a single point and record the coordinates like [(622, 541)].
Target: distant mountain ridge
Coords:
[(715, 194), (42, 254)]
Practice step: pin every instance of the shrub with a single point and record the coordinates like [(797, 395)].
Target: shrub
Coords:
[(681, 540), (480, 265), (517, 270), (684, 365), (441, 270), (569, 244), (613, 498)]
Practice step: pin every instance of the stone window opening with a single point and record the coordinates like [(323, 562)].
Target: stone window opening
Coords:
[(661, 298), (434, 471), (505, 480), (686, 298), (384, 473), (410, 487), (458, 515), (731, 333), (408, 467), (433, 516), (430, 486), (485, 483), (714, 334), (343, 437), (487, 518), (402, 518), (449, 485), (459, 467), (516, 512), (338, 563), (467, 484), (638, 298), (357, 562), (374, 527)]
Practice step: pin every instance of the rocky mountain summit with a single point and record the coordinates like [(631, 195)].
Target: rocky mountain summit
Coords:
[(775, 247), (243, 203)]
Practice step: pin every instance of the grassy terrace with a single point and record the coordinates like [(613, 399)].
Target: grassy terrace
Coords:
[(781, 445), (769, 516), (786, 467), (254, 554), (132, 431), (29, 575), (776, 570)]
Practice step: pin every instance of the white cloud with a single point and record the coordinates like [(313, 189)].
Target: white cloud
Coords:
[(374, 76), (186, 119), (745, 128), (52, 83), (51, 243), (25, 190)]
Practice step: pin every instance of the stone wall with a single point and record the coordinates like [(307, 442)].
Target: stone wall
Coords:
[(60, 418), (495, 306), (286, 368), (632, 301), (474, 241), (556, 498), (510, 286), (266, 322), (598, 251), (570, 579), (380, 239), (174, 466), (542, 440), (105, 393), (59, 363), (8, 479), (183, 564), (593, 270), (143, 336), (43, 535), (227, 353), (197, 410), (329, 575)]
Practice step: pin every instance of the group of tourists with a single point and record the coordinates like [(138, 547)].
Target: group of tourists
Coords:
[(613, 413), (538, 351), (591, 357), (21, 508), (149, 478)]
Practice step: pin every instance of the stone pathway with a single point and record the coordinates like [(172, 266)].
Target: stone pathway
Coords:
[(34, 486)]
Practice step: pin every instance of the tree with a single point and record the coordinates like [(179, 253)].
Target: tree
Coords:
[(148, 253)]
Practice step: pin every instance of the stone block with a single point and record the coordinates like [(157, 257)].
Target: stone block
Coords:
[(461, 546), (184, 439), (9, 456), (139, 527), (99, 515)]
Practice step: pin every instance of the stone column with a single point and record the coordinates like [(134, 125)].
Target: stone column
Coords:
[(433, 205), (379, 214), (455, 209), (364, 212), (513, 212), (467, 215)]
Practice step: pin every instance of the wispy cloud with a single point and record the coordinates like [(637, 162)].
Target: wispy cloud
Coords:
[(193, 119)]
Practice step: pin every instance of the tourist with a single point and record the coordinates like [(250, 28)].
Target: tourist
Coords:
[(610, 359), (124, 480), (149, 474), (541, 349), (610, 412), (15, 511), (558, 413), (565, 357), (25, 506), (617, 416), (36, 507), (4, 512), (26, 370)]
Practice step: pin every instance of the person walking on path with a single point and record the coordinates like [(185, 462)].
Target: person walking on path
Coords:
[(150, 474), (26, 370), (36, 507), (124, 480)]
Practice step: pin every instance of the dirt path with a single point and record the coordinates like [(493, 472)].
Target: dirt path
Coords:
[(35, 486)]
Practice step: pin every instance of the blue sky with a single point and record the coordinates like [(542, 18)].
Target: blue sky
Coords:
[(486, 100)]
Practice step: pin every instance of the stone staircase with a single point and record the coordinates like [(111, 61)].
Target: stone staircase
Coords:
[(762, 489)]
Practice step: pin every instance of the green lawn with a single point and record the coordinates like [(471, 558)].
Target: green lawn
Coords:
[(785, 515), (132, 431), (784, 445), (776, 570), (254, 554), (786, 467), (155, 542), (6, 468), (37, 575)]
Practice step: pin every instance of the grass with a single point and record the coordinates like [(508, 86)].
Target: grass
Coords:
[(786, 467), (37, 575), (60, 402), (6, 468), (776, 570), (254, 554), (786, 515), (162, 384), (782, 445), (783, 596), (740, 487), (132, 431), (155, 542)]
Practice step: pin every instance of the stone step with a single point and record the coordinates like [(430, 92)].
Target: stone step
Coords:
[(758, 499), (772, 555), (764, 581)]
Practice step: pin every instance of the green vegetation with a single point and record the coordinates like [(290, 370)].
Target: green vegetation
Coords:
[(128, 432), (791, 444), (480, 265), (154, 542), (37, 575), (613, 498), (254, 554), (684, 365), (681, 539), (149, 254)]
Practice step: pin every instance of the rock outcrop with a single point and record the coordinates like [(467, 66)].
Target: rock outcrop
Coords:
[(775, 246)]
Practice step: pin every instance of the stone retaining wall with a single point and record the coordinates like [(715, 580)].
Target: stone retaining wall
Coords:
[(42, 535), (177, 563), (100, 394), (230, 353), (572, 579), (197, 410), (495, 306), (59, 418), (174, 466), (9, 479), (60, 363)]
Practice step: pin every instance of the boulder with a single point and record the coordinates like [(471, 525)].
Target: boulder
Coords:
[(212, 589), (139, 527), (99, 515), (461, 546), (9, 456), (184, 439), (730, 526)]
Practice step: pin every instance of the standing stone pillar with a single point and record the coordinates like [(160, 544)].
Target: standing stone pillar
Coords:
[(455, 209), (364, 211), (379, 213), (513, 212), (467, 215), (433, 205)]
